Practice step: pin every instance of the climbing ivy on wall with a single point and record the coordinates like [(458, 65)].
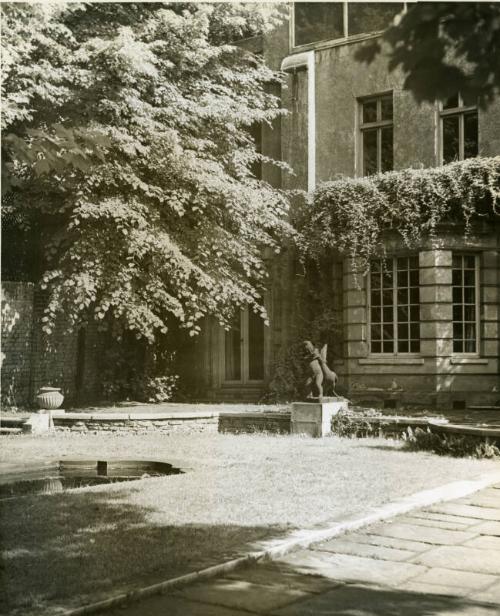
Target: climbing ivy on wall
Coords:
[(352, 216)]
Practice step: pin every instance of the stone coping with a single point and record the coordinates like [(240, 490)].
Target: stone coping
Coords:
[(458, 429), (62, 415)]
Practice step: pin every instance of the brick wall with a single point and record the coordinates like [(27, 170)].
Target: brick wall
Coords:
[(17, 331)]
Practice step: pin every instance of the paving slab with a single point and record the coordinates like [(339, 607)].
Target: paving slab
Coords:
[(275, 573), (436, 589), (487, 528), (378, 552), (454, 578), (348, 568), (392, 542), (462, 558), (481, 513), (491, 594), (444, 517), (168, 605), (485, 542), (242, 595), (356, 600), (414, 532), (410, 519)]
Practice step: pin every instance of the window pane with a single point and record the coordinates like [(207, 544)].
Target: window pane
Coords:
[(370, 152), (469, 313), (233, 350), (376, 265), (470, 346), (402, 296), (369, 111), (457, 295), (376, 347), (469, 295), (451, 102), (371, 16), (318, 21), (403, 331), (376, 332), (457, 331), (458, 313), (469, 278), (415, 313), (458, 346), (387, 149), (456, 277), (470, 331), (402, 263), (414, 295), (469, 261), (470, 135), (388, 314), (255, 346), (415, 346), (402, 278), (403, 346), (376, 298), (457, 261), (451, 150), (375, 280), (387, 298), (402, 314), (387, 279), (387, 108), (388, 332), (388, 346), (414, 278), (375, 315)]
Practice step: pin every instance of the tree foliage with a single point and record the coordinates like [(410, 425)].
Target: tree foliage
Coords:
[(351, 216), (443, 48), (126, 135)]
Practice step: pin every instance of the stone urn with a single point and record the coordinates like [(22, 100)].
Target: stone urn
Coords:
[(49, 398)]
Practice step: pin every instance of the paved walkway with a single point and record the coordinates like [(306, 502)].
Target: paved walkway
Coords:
[(443, 560)]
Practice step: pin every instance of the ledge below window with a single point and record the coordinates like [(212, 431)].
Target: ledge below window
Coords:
[(468, 360), (391, 361)]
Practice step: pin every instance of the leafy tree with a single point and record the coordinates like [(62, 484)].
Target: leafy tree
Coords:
[(127, 139), (443, 48)]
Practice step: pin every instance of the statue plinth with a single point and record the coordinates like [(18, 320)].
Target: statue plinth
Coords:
[(314, 417)]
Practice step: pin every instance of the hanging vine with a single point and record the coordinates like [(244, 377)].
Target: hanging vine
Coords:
[(351, 216)]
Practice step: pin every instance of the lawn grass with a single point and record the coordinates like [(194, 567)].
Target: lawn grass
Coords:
[(67, 548)]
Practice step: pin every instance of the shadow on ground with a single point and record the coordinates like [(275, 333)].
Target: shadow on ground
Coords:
[(79, 546), (280, 590)]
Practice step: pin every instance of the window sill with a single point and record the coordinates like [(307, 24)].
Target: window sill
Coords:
[(328, 43), (468, 360), (391, 361)]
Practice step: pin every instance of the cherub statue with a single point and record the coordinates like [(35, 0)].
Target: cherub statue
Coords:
[(319, 370)]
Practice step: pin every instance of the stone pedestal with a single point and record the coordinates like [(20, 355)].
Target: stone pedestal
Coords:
[(314, 418), (38, 423)]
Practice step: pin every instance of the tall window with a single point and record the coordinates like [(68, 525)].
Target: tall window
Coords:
[(465, 303), (322, 21), (395, 305), (459, 129), (376, 134)]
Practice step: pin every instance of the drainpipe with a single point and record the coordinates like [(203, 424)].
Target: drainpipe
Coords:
[(305, 61)]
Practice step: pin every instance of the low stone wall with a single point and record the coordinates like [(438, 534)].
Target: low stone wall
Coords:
[(242, 423), (123, 423)]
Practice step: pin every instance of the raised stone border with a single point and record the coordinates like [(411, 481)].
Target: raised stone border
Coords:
[(273, 422), (135, 422)]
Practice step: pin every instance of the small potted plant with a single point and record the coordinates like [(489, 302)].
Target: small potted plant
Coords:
[(49, 398)]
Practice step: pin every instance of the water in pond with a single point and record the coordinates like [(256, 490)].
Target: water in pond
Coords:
[(64, 476)]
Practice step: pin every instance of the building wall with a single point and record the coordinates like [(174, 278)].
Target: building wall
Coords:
[(436, 376)]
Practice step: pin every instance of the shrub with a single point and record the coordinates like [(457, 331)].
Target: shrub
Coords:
[(457, 445)]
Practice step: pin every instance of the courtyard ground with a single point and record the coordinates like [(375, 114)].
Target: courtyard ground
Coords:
[(237, 491)]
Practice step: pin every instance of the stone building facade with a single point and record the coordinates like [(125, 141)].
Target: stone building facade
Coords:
[(347, 118)]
